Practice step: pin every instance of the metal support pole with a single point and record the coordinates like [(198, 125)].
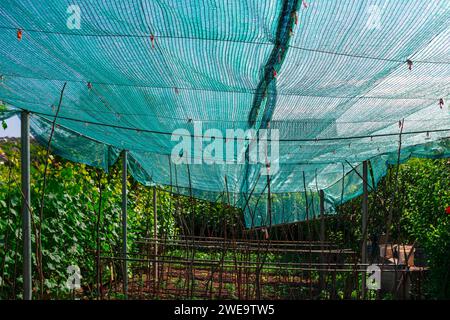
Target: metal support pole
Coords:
[(365, 200), (26, 200), (322, 236), (322, 216), (155, 234), (124, 221)]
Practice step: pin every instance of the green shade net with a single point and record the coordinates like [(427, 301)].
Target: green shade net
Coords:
[(332, 78)]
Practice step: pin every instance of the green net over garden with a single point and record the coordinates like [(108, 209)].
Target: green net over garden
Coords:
[(341, 81)]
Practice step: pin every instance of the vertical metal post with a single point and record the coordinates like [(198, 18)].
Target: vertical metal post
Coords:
[(155, 234), (124, 221), (269, 201), (322, 236), (26, 200), (365, 200), (322, 216)]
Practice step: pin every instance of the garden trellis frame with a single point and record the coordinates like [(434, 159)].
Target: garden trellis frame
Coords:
[(338, 95)]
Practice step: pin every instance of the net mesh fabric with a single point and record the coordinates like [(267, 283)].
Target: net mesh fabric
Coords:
[(332, 81)]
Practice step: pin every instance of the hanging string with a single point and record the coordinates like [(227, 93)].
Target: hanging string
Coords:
[(410, 64), (152, 39)]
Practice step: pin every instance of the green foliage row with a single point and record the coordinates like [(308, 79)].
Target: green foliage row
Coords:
[(415, 195), (71, 227), (69, 221)]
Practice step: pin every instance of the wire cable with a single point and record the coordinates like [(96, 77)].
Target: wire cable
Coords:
[(224, 138)]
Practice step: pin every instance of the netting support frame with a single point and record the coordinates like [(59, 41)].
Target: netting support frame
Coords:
[(26, 200)]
